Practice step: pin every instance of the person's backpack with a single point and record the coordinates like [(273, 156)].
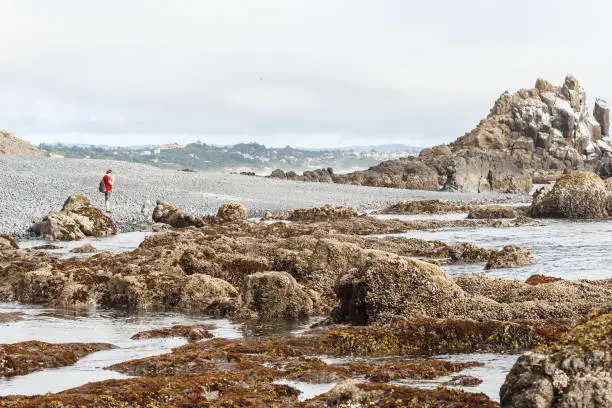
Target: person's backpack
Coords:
[(102, 186)]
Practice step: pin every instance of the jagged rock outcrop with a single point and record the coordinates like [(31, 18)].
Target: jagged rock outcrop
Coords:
[(543, 131), (575, 372), (546, 127), (575, 195), (77, 219), (13, 146)]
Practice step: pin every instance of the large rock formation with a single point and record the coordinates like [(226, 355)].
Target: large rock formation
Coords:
[(546, 129), (13, 146), (77, 219), (576, 372), (576, 195)]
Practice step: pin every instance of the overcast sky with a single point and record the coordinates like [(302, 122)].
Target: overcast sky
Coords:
[(284, 72)]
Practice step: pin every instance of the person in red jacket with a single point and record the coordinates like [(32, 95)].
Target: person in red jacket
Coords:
[(109, 181)]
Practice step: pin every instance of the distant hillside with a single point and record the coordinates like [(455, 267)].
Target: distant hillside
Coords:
[(242, 157), (386, 148), (13, 146)]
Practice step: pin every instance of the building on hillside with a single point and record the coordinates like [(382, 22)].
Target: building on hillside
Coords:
[(170, 146)]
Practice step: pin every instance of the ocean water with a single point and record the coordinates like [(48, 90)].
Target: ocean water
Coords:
[(562, 248)]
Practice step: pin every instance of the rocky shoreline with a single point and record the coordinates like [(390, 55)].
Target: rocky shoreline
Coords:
[(386, 301), (30, 194)]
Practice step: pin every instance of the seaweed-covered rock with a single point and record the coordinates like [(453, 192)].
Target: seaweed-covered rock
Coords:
[(492, 211), (575, 195), (510, 256), (77, 219), (324, 213), (232, 212), (27, 357), (575, 372), (424, 207), (276, 295), (205, 294)]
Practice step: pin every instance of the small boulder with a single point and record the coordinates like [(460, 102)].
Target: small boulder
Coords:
[(174, 216), (77, 219), (346, 394), (575, 372), (575, 195), (276, 295), (232, 212), (7, 242), (511, 256)]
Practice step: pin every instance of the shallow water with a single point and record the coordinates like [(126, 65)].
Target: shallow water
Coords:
[(571, 250), (58, 326), (123, 242), (565, 249), (493, 373), (419, 217)]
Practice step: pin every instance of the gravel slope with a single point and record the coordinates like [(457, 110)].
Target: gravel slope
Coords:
[(33, 186)]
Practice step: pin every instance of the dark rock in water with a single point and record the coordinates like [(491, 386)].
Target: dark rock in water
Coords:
[(85, 249), (511, 256), (575, 195), (192, 333), (47, 247), (77, 219), (10, 317), (463, 381), (575, 372)]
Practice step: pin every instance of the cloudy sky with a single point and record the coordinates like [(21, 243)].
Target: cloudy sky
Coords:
[(284, 72)]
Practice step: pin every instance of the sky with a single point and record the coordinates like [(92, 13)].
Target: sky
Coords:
[(312, 73)]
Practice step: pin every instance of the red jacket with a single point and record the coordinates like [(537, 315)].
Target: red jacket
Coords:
[(107, 184)]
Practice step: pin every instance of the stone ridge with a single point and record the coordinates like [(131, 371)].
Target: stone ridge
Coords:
[(13, 146)]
